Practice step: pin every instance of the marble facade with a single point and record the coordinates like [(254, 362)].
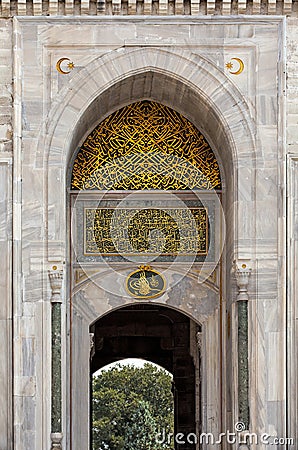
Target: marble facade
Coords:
[(250, 120)]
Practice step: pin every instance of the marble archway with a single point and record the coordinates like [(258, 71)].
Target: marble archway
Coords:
[(211, 107), (155, 160)]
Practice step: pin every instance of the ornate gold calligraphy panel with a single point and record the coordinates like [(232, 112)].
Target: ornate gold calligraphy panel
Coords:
[(145, 145), (146, 231)]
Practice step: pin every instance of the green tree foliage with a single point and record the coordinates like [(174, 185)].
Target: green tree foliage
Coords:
[(130, 405), (140, 430)]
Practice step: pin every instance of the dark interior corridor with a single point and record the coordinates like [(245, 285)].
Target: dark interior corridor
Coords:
[(157, 334)]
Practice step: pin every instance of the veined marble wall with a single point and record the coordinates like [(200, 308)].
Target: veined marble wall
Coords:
[(292, 221), (6, 98), (182, 63)]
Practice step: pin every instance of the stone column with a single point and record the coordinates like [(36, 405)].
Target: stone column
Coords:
[(242, 278), (56, 279)]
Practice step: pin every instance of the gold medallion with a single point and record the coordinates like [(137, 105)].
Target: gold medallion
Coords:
[(145, 283)]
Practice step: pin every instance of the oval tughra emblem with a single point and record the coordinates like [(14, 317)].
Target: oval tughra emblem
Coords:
[(145, 283)]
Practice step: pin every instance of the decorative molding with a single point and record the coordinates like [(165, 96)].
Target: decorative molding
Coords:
[(56, 441), (10, 8), (242, 273), (56, 280)]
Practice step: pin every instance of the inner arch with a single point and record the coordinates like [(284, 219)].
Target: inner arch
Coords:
[(161, 335)]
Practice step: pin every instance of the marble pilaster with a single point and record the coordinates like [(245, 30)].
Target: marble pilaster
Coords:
[(56, 280), (242, 273)]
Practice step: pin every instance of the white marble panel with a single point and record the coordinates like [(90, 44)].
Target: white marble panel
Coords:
[(6, 385), (274, 345), (292, 298), (80, 389), (241, 130)]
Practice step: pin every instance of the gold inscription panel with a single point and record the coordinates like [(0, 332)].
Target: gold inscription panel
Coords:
[(145, 146), (145, 231)]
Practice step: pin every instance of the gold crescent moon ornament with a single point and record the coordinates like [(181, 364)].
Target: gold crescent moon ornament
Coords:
[(229, 66), (70, 65)]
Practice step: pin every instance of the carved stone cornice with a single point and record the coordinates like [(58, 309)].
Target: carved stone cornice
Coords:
[(101, 8)]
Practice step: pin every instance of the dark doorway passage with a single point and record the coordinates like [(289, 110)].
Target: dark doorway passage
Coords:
[(163, 336)]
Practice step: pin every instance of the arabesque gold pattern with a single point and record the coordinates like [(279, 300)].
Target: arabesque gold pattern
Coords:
[(142, 146), (146, 231)]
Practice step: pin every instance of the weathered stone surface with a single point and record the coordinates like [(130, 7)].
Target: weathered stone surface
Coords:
[(159, 7), (181, 63)]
